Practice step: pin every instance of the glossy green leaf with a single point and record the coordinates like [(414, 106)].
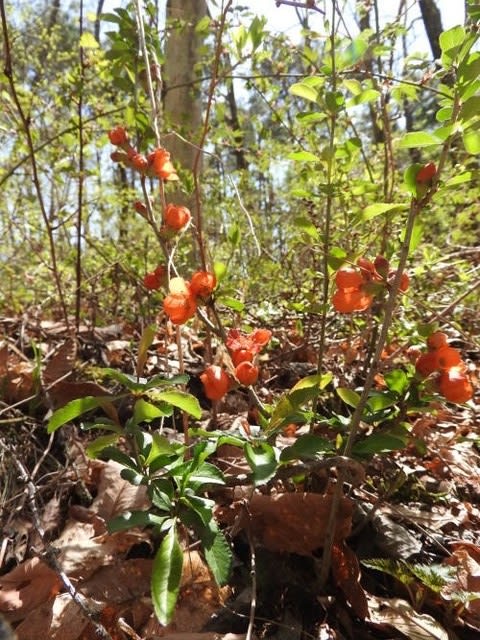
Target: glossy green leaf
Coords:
[(303, 156), (131, 519), (144, 411), (166, 577), (262, 460), (350, 397), (471, 141), (217, 552), (95, 448), (303, 90), (379, 208), (307, 446), (76, 408), (419, 139), (182, 400)]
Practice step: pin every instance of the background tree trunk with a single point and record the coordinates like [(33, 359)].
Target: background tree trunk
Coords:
[(182, 98), (432, 20)]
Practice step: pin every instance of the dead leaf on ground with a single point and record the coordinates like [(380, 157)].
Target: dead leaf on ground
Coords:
[(346, 573), (400, 615), (295, 522), (114, 494), (61, 363), (466, 559), (26, 587), (16, 376)]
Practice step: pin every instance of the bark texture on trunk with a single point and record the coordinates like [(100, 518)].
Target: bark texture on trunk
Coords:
[(182, 97)]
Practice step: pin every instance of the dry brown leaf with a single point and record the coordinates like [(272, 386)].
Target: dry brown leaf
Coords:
[(81, 552), (116, 495), (118, 583), (65, 391), (466, 558), (26, 587), (295, 522), (16, 376), (346, 573), (400, 615), (61, 363)]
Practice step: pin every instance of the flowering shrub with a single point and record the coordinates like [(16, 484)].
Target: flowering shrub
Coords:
[(452, 380), (358, 285)]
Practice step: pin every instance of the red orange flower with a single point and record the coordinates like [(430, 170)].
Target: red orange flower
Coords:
[(161, 164), (118, 136), (215, 382), (177, 217), (180, 307), (203, 283)]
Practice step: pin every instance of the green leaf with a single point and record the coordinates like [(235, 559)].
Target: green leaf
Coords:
[(307, 226), (95, 448), (460, 178), (220, 269), (380, 443), (419, 139), (369, 95), (396, 381), (232, 303), (76, 408), (350, 397), (206, 473), (131, 519), (303, 156), (88, 41), (470, 109), (217, 553), (471, 142), (450, 43), (144, 411), (182, 400), (160, 446), (262, 460), (307, 388), (303, 90), (354, 86), (145, 343), (166, 577), (306, 447), (379, 208), (380, 400)]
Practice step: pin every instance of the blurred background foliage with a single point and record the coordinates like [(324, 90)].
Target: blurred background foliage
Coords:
[(263, 207)]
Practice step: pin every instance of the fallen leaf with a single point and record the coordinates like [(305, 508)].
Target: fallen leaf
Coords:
[(295, 522), (400, 615), (26, 587), (346, 573)]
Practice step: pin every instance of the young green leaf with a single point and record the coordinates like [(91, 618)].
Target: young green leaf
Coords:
[(77, 408)]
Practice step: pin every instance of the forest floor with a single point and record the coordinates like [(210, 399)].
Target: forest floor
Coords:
[(406, 566)]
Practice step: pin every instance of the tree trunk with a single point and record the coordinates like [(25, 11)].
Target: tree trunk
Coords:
[(432, 21), (182, 98)]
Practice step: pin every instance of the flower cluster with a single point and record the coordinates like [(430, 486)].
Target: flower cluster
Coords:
[(243, 349), (155, 164), (452, 381), (357, 285), (155, 279), (181, 303)]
